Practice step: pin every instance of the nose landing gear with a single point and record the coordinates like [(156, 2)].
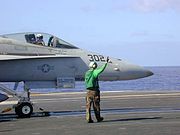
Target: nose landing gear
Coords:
[(24, 108)]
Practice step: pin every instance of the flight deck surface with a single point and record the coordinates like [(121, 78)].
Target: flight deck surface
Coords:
[(136, 113)]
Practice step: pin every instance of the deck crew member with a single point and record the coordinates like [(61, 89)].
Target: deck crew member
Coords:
[(93, 92)]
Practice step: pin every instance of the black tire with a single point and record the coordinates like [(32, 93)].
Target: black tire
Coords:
[(24, 110)]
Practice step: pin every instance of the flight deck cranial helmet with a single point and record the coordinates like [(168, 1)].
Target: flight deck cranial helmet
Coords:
[(93, 65)]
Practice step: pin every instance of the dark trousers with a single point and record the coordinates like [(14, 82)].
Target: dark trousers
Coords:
[(93, 98)]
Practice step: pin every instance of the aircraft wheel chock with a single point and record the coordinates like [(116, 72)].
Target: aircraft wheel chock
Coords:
[(24, 110)]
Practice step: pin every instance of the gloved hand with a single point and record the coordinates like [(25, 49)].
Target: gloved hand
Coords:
[(107, 59)]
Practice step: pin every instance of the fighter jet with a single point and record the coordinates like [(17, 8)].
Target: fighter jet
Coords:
[(42, 60)]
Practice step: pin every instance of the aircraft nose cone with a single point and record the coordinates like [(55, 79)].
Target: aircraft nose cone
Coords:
[(149, 73), (130, 71), (141, 73)]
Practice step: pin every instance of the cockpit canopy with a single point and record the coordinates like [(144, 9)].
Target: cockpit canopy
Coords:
[(42, 39)]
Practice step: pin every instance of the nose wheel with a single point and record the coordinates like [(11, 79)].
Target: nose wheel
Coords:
[(24, 109)]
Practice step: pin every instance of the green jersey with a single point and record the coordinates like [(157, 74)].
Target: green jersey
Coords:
[(91, 78)]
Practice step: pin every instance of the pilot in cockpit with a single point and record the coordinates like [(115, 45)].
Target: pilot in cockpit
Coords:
[(39, 39)]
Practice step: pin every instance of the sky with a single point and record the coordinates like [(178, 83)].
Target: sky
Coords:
[(143, 32)]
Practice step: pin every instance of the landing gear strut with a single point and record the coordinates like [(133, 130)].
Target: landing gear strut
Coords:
[(24, 108)]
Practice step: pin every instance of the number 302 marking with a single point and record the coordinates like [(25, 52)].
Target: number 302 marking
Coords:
[(96, 58)]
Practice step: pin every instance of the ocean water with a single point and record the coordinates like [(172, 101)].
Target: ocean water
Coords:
[(164, 79)]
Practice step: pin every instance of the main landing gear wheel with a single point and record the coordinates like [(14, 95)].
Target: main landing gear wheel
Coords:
[(24, 109)]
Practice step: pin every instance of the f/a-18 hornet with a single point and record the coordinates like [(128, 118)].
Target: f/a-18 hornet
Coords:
[(41, 60)]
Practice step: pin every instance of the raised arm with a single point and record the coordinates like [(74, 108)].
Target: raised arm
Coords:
[(101, 69)]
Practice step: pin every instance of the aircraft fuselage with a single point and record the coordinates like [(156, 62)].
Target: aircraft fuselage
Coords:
[(22, 61)]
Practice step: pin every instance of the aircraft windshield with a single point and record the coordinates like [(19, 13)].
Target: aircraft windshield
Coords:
[(42, 39)]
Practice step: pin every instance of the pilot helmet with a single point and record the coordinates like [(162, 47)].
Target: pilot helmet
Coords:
[(40, 36), (93, 65)]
